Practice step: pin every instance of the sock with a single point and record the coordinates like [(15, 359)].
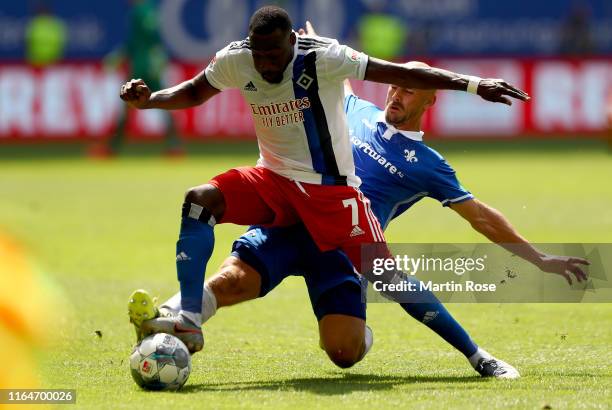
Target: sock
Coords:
[(193, 249), (209, 304), (428, 310), (422, 305), (193, 317), (480, 354), (172, 305)]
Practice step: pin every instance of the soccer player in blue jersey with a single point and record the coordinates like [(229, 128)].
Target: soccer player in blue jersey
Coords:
[(397, 170)]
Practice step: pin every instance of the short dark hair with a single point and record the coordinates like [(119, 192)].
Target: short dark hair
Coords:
[(269, 18)]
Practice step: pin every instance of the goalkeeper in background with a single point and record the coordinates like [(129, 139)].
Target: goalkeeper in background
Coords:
[(145, 55)]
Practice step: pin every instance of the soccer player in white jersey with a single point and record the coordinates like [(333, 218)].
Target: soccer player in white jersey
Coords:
[(305, 173)]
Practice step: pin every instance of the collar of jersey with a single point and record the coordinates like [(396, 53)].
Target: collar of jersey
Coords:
[(391, 130)]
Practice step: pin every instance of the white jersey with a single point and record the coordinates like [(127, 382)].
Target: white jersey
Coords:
[(300, 123)]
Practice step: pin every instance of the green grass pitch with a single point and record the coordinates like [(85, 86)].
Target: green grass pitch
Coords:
[(103, 228)]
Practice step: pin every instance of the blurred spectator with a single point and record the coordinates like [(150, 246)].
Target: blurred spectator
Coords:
[(381, 34), (575, 35), (146, 57), (45, 37)]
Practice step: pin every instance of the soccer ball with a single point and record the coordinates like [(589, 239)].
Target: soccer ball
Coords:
[(160, 362)]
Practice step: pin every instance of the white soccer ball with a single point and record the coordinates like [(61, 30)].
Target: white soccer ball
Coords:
[(160, 362)]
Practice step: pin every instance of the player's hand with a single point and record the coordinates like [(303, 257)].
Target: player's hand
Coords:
[(309, 30), (136, 93), (565, 266), (497, 90)]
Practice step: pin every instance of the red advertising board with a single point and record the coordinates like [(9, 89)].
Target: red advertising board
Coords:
[(80, 102)]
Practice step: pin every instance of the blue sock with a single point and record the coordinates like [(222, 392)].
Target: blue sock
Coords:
[(193, 249), (428, 310)]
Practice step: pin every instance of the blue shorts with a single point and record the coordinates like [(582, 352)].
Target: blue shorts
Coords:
[(276, 253)]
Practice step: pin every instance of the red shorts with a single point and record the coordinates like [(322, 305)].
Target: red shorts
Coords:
[(335, 216)]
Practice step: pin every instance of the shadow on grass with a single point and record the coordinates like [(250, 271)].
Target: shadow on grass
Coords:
[(342, 383)]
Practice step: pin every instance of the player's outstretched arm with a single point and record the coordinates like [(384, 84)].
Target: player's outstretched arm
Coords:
[(494, 90), (187, 94), (494, 225)]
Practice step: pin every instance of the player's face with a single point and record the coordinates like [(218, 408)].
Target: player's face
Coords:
[(272, 53), (404, 105)]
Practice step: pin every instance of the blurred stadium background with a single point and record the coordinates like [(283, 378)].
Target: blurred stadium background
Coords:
[(58, 81), (99, 229)]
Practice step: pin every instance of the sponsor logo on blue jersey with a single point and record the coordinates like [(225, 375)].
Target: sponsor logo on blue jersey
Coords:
[(367, 149)]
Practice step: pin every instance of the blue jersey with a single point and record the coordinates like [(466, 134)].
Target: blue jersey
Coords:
[(396, 168)]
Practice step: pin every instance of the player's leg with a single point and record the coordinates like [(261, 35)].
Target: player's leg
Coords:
[(336, 295), (342, 217), (235, 282), (342, 328), (343, 339), (203, 206), (422, 305), (229, 197), (425, 307), (261, 259)]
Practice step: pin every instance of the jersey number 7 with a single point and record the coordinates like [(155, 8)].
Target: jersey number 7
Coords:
[(352, 202)]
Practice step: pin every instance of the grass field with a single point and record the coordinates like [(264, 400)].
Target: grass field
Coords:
[(101, 229)]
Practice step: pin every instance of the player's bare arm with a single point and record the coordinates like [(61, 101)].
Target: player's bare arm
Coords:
[(496, 227), (187, 94), (425, 77), (494, 90)]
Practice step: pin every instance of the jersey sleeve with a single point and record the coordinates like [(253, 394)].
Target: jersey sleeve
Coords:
[(221, 72), (341, 62), (444, 186), (354, 104)]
